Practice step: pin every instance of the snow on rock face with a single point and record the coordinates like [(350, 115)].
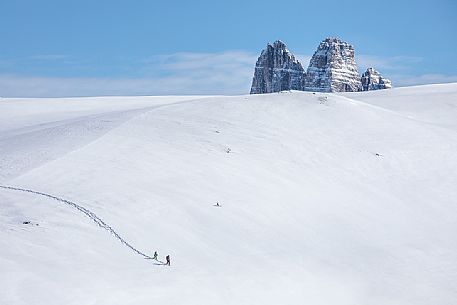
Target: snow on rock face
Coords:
[(277, 70), (333, 68), (373, 80)]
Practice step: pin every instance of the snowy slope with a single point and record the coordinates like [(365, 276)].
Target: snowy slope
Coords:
[(325, 199), (435, 104), (35, 131)]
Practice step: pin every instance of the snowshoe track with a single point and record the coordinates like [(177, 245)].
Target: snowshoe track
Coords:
[(85, 211)]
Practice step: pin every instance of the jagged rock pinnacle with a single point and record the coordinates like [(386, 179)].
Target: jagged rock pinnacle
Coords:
[(277, 70), (373, 80), (333, 68)]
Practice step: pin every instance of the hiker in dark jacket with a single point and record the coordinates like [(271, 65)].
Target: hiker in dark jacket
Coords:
[(155, 255), (168, 260)]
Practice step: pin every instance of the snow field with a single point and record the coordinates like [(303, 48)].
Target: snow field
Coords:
[(325, 199)]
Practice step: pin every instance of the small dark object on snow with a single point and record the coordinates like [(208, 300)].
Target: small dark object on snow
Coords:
[(228, 150), (168, 260), (26, 222), (217, 204), (217, 131), (378, 155)]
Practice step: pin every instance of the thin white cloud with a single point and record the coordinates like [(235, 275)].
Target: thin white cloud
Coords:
[(387, 63), (237, 65), (19, 86), (181, 73), (212, 61), (411, 80)]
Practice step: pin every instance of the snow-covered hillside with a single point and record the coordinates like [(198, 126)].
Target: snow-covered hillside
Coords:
[(326, 199)]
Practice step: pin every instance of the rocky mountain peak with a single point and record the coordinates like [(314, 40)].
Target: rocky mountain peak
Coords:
[(278, 44), (276, 70), (373, 80), (333, 68)]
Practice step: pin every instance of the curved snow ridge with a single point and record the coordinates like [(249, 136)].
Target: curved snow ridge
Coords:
[(27, 148), (85, 211)]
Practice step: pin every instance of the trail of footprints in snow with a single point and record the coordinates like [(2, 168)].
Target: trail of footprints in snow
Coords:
[(87, 212)]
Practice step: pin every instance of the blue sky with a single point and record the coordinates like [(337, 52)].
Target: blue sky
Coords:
[(77, 48)]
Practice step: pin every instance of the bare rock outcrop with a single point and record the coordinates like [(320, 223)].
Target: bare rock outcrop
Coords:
[(276, 70), (333, 68), (373, 80)]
